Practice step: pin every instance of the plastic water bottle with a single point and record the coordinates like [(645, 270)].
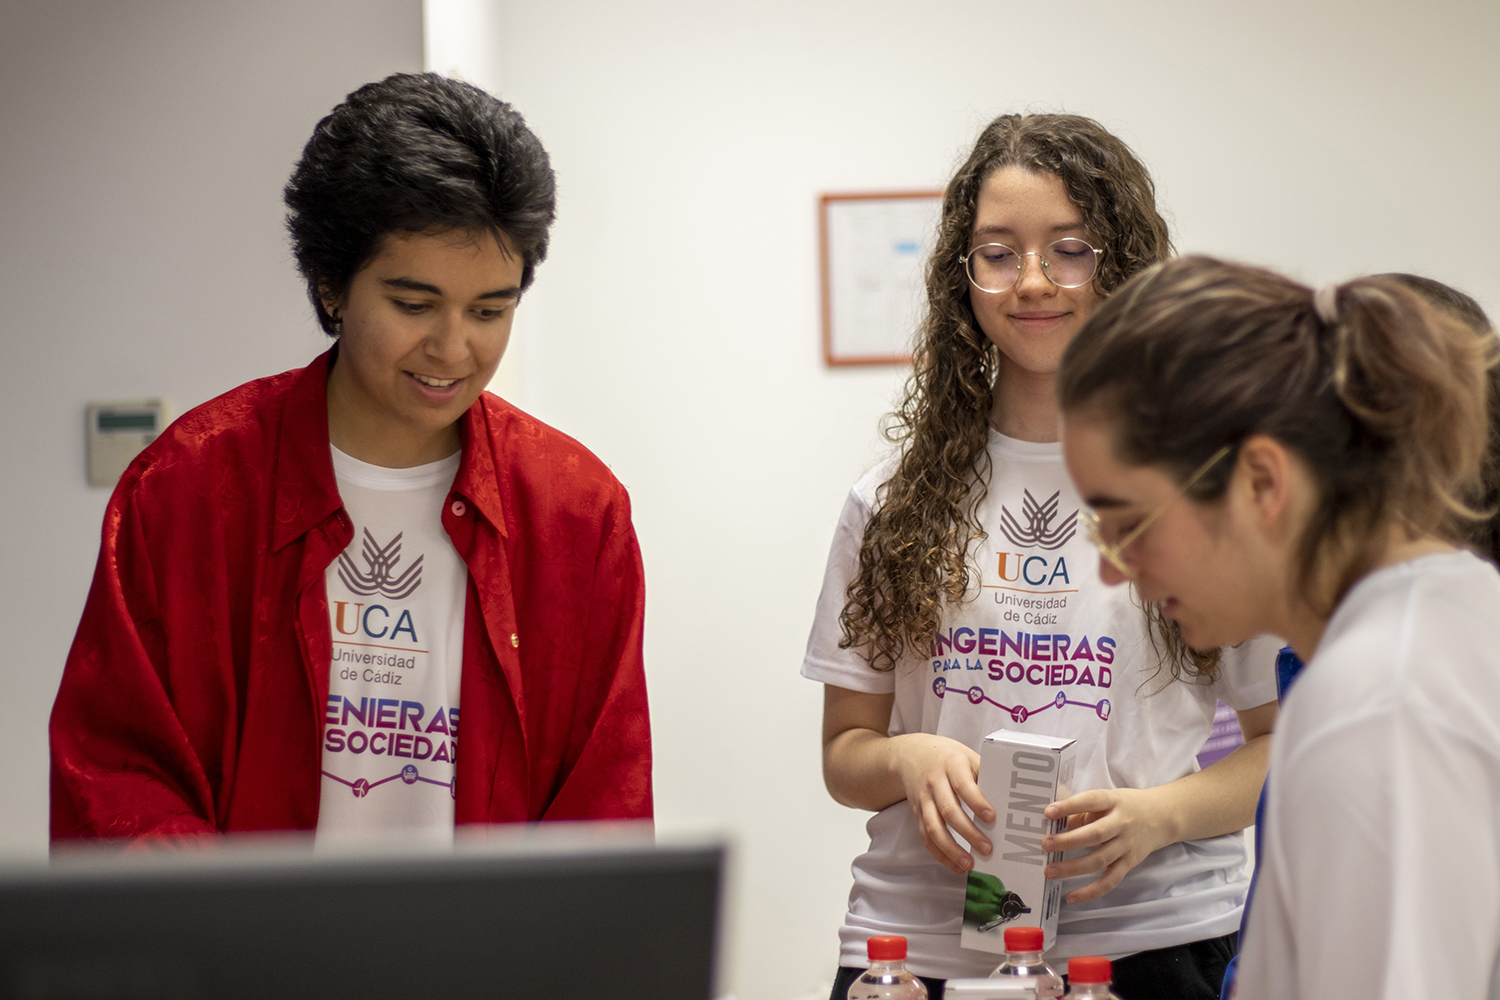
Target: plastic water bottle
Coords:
[(1023, 957), (1089, 976), (887, 978)]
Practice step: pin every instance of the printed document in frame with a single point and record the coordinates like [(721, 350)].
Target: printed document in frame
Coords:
[(874, 250)]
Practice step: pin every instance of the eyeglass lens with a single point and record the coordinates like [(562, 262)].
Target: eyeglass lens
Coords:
[(1069, 263), (1106, 549)]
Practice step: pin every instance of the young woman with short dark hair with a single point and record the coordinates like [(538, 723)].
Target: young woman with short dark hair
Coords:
[(305, 583)]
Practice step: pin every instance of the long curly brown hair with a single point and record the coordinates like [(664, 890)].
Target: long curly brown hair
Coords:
[(914, 556)]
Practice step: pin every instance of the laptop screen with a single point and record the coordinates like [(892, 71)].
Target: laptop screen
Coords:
[(514, 919)]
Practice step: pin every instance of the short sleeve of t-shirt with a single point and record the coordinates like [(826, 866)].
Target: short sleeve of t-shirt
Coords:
[(825, 661), (1247, 673)]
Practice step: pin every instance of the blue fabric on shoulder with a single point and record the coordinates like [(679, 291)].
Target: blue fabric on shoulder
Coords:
[(1288, 666)]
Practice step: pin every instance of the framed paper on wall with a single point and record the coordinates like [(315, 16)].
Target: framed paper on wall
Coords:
[(873, 250)]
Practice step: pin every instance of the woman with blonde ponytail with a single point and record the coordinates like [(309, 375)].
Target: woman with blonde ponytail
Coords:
[(1260, 457)]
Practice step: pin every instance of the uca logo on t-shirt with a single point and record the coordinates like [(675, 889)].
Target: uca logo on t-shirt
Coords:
[(381, 578), (1023, 572), (372, 621), (1032, 645), (1039, 531)]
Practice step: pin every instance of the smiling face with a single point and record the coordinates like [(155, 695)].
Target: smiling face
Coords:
[(1033, 321), (424, 326), (1204, 563)]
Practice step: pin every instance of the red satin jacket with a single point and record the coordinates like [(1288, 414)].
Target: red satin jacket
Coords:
[(192, 701)]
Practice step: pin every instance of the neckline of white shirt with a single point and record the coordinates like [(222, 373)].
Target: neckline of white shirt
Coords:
[(1024, 449), (379, 477)]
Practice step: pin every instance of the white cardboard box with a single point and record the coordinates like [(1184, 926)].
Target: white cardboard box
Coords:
[(1019, 774), (1009, 988)]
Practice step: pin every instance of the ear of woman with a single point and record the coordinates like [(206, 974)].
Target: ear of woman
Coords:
[(1269, 475), (1276, 494)]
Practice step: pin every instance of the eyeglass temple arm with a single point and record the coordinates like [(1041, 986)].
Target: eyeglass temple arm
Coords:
[(1203, 470)]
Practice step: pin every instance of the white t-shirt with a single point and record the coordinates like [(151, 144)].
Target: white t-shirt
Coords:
[(1380, 864), (1043, 646), (396, 607)]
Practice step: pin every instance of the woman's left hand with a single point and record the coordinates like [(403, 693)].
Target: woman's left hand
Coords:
[(1123, 825)]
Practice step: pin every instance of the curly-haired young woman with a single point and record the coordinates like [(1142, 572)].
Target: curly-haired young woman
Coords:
[(961, 598)]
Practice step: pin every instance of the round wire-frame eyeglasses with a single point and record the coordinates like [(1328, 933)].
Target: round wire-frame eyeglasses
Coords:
[(1067, 263)]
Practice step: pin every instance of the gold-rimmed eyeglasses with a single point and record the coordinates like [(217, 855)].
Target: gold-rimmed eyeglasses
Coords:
[(1067, 263), (1114, 552)]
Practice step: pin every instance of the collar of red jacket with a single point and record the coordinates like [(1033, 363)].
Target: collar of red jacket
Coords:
[(306, 491)]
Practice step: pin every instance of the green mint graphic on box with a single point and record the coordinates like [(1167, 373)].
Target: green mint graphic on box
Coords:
[(988, 904)]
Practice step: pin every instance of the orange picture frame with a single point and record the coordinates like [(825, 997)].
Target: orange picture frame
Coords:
[(872, 248)]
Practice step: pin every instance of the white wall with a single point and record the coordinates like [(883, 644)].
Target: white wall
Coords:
[(674, 330), (143, 147)]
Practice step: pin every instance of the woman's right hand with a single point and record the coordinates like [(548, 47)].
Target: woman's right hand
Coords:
[(939, 775), (865, 768)]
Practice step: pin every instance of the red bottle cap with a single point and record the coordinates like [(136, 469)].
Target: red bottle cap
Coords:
[(886, 948), (1089, 969), (1023, 939)]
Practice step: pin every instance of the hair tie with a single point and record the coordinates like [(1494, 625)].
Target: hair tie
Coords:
[(1325, 303)]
